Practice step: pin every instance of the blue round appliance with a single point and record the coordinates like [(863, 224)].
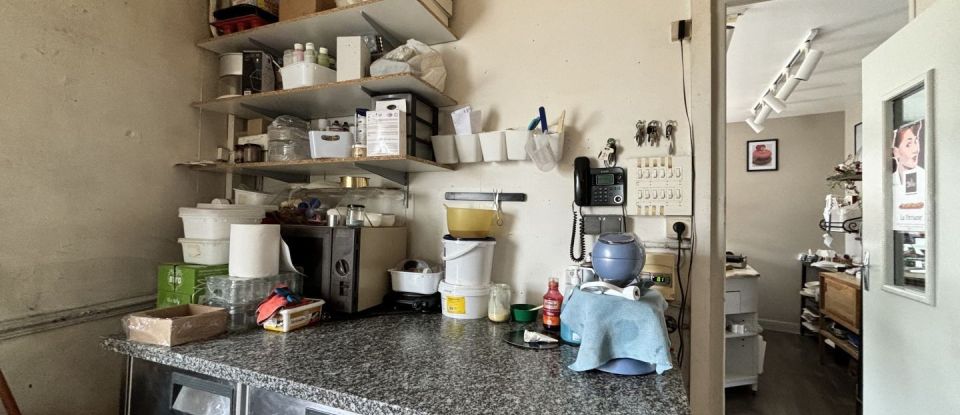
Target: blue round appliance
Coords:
[(618, 258)]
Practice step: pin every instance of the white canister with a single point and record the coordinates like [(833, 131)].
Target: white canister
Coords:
[(464, 302), (515, 142), (445, 149), (492, 146), (201, 223), (468, 262), (468, 148)]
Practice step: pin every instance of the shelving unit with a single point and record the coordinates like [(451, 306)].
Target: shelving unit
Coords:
[(807, 301), (744, 352), (840, 298), (843, 344), (393, 168), (331, 100), (403, 19)]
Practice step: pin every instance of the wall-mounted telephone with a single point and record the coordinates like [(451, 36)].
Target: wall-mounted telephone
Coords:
[(598, 187), (595, 187)]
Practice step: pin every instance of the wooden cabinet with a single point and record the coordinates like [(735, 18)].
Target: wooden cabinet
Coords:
[(840, 299)]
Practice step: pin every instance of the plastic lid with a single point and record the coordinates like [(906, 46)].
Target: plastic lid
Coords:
[(449, 237), (618, 238), (310, 46), (464, 290), (298, 46), (322, 50)]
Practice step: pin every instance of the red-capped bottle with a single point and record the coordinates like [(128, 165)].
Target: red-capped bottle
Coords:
[(551, 305)]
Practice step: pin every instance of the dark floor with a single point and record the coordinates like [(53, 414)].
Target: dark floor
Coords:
[(794, 382)]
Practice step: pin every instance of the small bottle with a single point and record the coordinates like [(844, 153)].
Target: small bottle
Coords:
[(287, 57), (323, 57), (551, 305), (297, 52), (310, 54)]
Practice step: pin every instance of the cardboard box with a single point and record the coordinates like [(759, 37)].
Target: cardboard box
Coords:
[(291, 9), (257, 126), (188, 279), (386, 133), (353, 58), (175, 325), (173, 298)]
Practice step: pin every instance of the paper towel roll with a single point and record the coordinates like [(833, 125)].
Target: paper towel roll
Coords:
[(254, 250)]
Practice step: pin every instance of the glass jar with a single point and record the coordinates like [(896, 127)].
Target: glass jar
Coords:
[(355, 215), (499, 308)]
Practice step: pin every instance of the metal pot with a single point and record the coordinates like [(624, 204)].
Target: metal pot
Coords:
[(352, 182)]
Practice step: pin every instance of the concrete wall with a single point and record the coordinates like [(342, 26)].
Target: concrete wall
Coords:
[(773, 215), (606, 66), (96, 112)]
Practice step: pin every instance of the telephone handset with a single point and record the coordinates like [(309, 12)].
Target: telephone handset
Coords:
[(593, 187)]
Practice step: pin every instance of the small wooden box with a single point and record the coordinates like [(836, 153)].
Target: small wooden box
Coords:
[(840, 299)]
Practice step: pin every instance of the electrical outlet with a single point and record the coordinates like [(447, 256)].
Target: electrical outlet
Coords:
[(686, 220), (680, 30)]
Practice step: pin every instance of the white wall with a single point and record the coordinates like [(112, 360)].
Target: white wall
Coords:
[(96, 112), (911, 349), (606, 66), (773, 215)]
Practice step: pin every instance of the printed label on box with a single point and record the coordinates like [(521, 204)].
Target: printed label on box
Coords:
[(456, 305)]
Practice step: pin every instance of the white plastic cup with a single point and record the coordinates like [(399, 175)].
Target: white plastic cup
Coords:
[(515, 140), (468, 148), (493, 147), (556, 145), (444, 149)]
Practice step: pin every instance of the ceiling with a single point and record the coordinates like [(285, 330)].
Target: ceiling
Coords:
[(767, 33)]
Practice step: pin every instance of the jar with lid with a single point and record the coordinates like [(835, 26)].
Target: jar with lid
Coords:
[(355, 214), (498, 310)]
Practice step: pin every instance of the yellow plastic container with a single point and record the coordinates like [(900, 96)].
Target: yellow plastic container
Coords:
[(469, 223)]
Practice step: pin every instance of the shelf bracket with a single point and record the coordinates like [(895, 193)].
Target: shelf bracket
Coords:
[(264, 112), (398, 177), (389, 37)]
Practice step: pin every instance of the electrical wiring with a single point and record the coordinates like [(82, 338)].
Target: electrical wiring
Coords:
[(693, 232)]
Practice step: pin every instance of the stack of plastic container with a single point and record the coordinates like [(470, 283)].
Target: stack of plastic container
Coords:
[(241, 296), (206, 230), (465, 290)]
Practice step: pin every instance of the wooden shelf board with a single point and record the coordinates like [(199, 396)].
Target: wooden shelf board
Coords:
[(336, 99), (842, 344), (300, 169), (405, 19)]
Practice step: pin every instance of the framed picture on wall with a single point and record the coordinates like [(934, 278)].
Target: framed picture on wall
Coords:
[(763, 155)]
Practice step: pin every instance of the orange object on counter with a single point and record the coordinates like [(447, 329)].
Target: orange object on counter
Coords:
[(552, 301)]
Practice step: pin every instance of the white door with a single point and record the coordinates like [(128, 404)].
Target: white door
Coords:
[(911, 193)]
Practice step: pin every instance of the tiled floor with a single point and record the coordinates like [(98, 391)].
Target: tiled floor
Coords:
[(794, 382)]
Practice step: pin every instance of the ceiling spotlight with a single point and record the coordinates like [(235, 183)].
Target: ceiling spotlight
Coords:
[(757, 128), (810, 60), (762, 115), (787, 88), (774, 103)]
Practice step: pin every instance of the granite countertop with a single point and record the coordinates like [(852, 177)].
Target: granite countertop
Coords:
[(417, 364)]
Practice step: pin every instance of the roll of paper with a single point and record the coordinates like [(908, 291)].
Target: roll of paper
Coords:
[(254, 250)]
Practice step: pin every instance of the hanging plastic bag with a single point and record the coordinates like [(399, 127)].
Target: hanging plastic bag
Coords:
[(414, 57)]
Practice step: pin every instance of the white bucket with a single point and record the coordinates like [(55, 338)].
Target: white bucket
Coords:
[(515, 141), (492, 145), (467, 262), (444, 149), (215, 223), (468, 303), (205, 251), (468, 148)]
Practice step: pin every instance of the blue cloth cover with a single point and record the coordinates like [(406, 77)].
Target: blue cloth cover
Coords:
[(614, 327)]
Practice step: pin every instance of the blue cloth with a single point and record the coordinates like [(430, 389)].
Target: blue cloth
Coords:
[(615, 327)]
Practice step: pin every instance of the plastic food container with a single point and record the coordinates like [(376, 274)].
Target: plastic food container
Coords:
[(469, 223), (236, 290), (294, 318), (251, 198), (468, 262), (463, 302), (415, 282), (241, 316), (205, 251), (306, 74), (201, 223)]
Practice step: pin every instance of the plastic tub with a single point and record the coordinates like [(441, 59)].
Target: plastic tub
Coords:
[(468, 262), (468, 148), (415, 282), (205, 251), (492, 146), (464, 302), (251, 198), (515, 142), (445, 149), (469, 223), (215, 223), (306, 74)]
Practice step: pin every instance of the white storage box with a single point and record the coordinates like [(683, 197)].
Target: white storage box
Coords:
[(251, 198), (205, 251), (468, 303), (330, 144), (215, 223), (415, 282), (295, 318), (306, 74)]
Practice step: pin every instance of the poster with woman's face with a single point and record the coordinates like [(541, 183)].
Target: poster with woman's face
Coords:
[(909, 178)]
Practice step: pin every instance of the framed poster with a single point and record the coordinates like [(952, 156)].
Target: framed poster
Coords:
[(763, 155)]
